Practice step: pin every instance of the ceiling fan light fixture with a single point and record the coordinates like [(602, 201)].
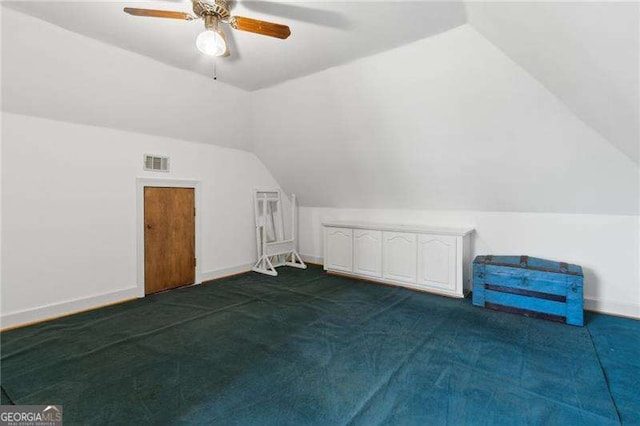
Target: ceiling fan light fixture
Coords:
[(211, 43)]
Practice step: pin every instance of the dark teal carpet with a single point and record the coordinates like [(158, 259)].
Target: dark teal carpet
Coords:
[(306, 348)]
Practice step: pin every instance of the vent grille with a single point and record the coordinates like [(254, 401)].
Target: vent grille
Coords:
[(155, 163)]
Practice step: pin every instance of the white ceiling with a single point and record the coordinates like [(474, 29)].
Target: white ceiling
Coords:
[(448, 122), (324, 34), (53, 73), (585, 52)]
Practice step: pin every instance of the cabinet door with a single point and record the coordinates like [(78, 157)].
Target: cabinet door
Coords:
[(399, 254), (367, 252), (437, 261), (339, 249)]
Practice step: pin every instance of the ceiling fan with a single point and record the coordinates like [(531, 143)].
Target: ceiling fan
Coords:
[(212, 40)]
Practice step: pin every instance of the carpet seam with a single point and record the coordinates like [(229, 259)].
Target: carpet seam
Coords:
[(126, 339), (8, 396), (363, 403), (395, 371), (604, 375)]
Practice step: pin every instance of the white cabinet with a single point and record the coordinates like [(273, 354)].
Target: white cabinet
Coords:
[(437, 261), (338, 249), (367, 252), (418, 257), (399, 256)]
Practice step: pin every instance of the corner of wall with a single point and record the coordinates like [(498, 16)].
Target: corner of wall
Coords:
[(485, 34)]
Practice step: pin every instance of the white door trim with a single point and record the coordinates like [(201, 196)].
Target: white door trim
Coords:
[(141, 183)]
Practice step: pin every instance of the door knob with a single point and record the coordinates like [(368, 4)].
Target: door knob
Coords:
[(148, 226)]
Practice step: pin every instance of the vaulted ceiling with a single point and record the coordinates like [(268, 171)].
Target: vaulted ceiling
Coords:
[(324, 34), (53, 73), (585, 52), (515, 106), (461, 127)]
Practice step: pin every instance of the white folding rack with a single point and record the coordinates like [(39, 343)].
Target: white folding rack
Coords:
[(273, 249)]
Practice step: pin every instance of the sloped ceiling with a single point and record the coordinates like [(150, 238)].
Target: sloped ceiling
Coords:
[(53, 73), (324, 33), (447, 122), (586, 53)]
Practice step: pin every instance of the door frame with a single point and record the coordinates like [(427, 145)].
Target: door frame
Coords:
[(141, 183)]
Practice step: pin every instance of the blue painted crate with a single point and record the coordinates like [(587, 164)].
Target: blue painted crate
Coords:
[(529, 286)]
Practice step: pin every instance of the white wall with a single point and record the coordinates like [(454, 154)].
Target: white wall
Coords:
[(448, 122), (69, 212), (449, 130), (53, 73), (605, 245), (444, 123)]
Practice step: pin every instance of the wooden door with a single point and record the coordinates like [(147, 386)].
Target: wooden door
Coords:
[(169, 238)]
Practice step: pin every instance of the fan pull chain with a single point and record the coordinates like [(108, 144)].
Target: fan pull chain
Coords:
[(215, 69)]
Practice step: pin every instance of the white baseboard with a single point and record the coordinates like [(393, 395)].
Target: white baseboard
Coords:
[(318, 260), (28, 316), (225, 272), (42, 313), (613, 308)]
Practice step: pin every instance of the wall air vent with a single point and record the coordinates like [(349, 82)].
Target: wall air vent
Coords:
[(154, 163)]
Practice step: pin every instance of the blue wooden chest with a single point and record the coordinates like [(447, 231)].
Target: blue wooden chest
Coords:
[(529, 286)]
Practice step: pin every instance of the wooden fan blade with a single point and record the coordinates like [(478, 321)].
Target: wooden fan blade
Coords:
[(260, 27), (227, 52), (159, 13)]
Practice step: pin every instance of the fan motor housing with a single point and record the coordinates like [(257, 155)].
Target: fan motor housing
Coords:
[(219, 8)]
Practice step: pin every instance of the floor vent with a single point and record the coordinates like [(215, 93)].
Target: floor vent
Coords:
[(154, 163)]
